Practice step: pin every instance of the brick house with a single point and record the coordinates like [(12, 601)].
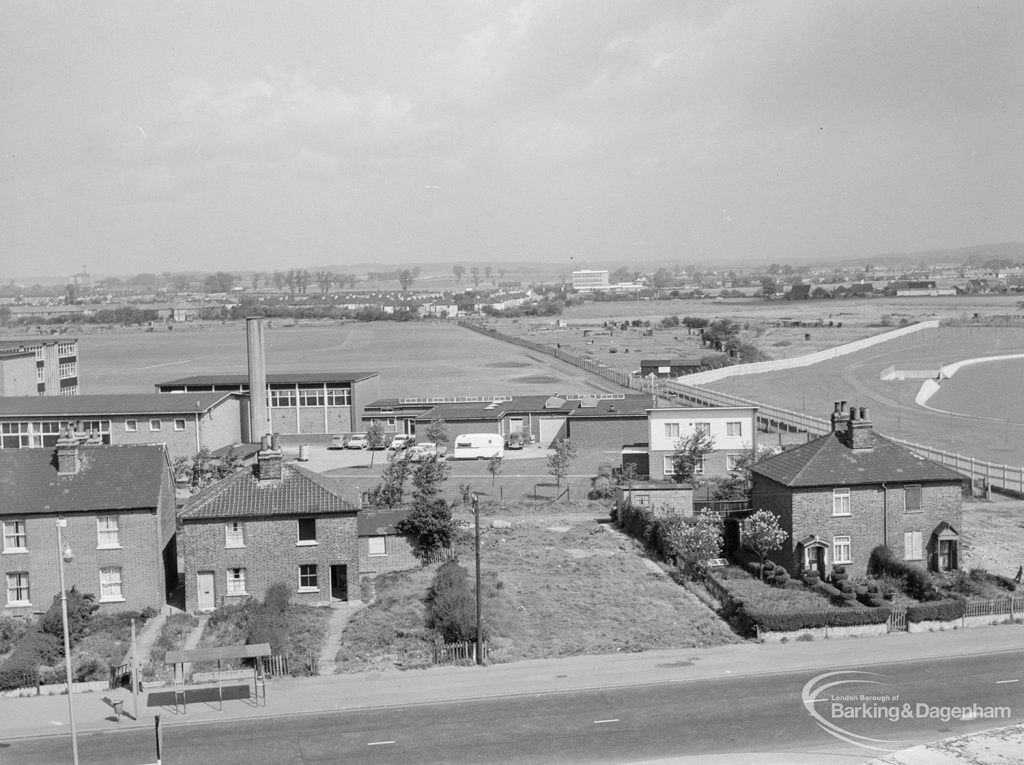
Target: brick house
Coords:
[(661, 497), (842, 494), (118, 506), (272, 522), (381, 547)]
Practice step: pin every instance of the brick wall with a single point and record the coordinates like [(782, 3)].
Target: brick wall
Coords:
[(607, 434), (776, 498), (139, 558), (271, 554), (399, 556)]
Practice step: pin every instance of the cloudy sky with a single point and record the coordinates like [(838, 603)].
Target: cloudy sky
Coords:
[(163, 136)]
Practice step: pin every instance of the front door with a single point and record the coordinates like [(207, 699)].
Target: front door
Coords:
[(339, 582), (816, 559), (204, 588)]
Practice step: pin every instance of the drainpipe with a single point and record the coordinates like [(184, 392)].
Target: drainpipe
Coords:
[(885, 514)]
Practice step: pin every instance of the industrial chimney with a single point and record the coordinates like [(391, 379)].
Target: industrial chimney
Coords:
[(259, 418)]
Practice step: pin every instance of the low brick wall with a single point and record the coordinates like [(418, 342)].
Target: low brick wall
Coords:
[(824, 633), (964, 622)]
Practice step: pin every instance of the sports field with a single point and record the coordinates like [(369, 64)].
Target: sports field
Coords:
[(413, 358)]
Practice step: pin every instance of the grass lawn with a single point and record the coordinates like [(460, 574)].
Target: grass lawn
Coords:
[(767, 597), (556, 586), (173, 634)]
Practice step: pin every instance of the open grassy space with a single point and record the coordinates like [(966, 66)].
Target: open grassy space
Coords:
[(559, 585)]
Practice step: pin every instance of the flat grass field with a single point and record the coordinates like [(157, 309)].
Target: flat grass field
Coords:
[(413, 358), (560, 584)]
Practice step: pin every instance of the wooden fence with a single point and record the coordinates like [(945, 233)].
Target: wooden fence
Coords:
[(441, 555), (897, 621), (453, 653), (1013, 606)]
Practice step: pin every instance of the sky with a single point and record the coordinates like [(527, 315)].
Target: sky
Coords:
[(168, 136)]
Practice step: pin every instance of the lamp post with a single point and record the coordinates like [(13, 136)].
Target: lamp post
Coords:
[(64, 553), (479, 636)]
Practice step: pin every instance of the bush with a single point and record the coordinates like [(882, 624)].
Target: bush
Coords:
[(824, 588), (12, 630), (452, 604), (937, 610), (790, 621), (278, 597), (33, 650), (917, 583), (81, 607), (781, 576), (811, 577)]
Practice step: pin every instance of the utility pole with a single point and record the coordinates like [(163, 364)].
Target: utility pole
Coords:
[(64, 554), (479, 593)]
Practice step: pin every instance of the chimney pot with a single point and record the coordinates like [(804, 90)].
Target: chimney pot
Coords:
[(864, 413), (837, 408), (853, 414), (275, 441), (842, 406), (265, 442)]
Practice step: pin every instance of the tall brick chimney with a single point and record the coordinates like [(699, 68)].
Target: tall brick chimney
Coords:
[(859, 433), (839, 417), (69, 460), (269, 459)]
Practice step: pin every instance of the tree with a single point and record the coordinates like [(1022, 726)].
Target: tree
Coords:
[(487, 272), (689, 455), (439, 433), (405, 279), (762, 533), (475, 273), (219, 282), (494, 465), (430, 525), (278, 280), (324, 279), (561, 459), (80, 605), (202, 468), (621, 275), (458, 271), (428, 480), (374, 438), (695, 542), (391, 490)]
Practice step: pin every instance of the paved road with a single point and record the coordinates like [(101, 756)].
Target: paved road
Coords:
[(733, 718)]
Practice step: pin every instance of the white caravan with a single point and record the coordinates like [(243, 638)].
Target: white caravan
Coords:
[(479, 446)]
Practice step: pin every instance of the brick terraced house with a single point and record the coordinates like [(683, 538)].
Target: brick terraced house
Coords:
[(272, 522), (118, 505), (841, 495), (381, 547)]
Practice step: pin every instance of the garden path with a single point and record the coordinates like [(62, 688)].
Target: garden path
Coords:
[(145, 637), (192, 641), (340, 614)]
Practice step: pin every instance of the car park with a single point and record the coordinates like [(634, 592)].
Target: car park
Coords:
[(357, 441), (338, 442), (514, 441), (401, 441), (420, 452)]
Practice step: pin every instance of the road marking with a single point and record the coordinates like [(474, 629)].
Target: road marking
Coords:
[(168, 364), (598, 722), (379, 743), (1000, 682)]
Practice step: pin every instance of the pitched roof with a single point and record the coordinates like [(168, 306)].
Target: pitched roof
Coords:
[(827, 461), (120, 403), (243, 495), (111, 477)]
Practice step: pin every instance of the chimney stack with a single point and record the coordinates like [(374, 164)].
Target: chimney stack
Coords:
[(69, 460), (259, 418), (840, 417), (270, 462), (859, 433)]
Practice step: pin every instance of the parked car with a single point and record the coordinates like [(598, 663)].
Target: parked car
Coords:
[(401, 441), (514, 441), (338, 442), (423, 451), (358, 441)]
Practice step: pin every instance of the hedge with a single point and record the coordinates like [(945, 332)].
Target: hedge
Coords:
[(832, 593), (641, 523), (791, 621), (937, 610)]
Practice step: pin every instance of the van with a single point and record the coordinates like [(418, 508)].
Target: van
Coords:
[(479, 446)]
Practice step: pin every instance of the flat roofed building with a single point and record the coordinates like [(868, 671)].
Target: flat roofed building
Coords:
[(186, 424), (56, 366), (588, 279), (299, 403)]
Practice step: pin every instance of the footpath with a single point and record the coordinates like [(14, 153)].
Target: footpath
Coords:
[(48, 715)]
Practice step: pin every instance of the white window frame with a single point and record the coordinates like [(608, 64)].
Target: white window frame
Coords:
[(668, 468), (235, 583), (339, 397), (377, 546), (842, 549), (234, 534), (841, 502), (913, 545), (18, 581), (15, 529), (643, 500), (671, 430), (110, 582), (298, 532), (730, 462), (179, 424), (315, 575), (920, 498), (155, 425), (702, 427), (734, 429), (108, 532), (131, 426)]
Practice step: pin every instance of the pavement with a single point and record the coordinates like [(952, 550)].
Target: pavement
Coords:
[(48, 715)]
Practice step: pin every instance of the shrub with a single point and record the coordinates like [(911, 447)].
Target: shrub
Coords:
[(34, 649), (11, 631), (81, 606), (452, 604), (937, 610), (917, 583), (754, 568), (790, 621), (811, 577), (278, 597), (834, 596), (781, 576)]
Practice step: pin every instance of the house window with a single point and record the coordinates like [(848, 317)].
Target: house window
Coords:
[(155, 425), (841, 552), (307, 531), (702, 428), (734, 428), (106, 531), (236, 582), (17, 588), (110, 585), (732, 462), (307, 577), (913, 549), (15, 539), (671, 430), (41, 374), (179, 424), (912, 498), (338, 397), (643, 500), (391, 422), (233, 535), (131, 426), (698, 467), (67, 370), (841, 502), (669, 467), (377, 546)]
